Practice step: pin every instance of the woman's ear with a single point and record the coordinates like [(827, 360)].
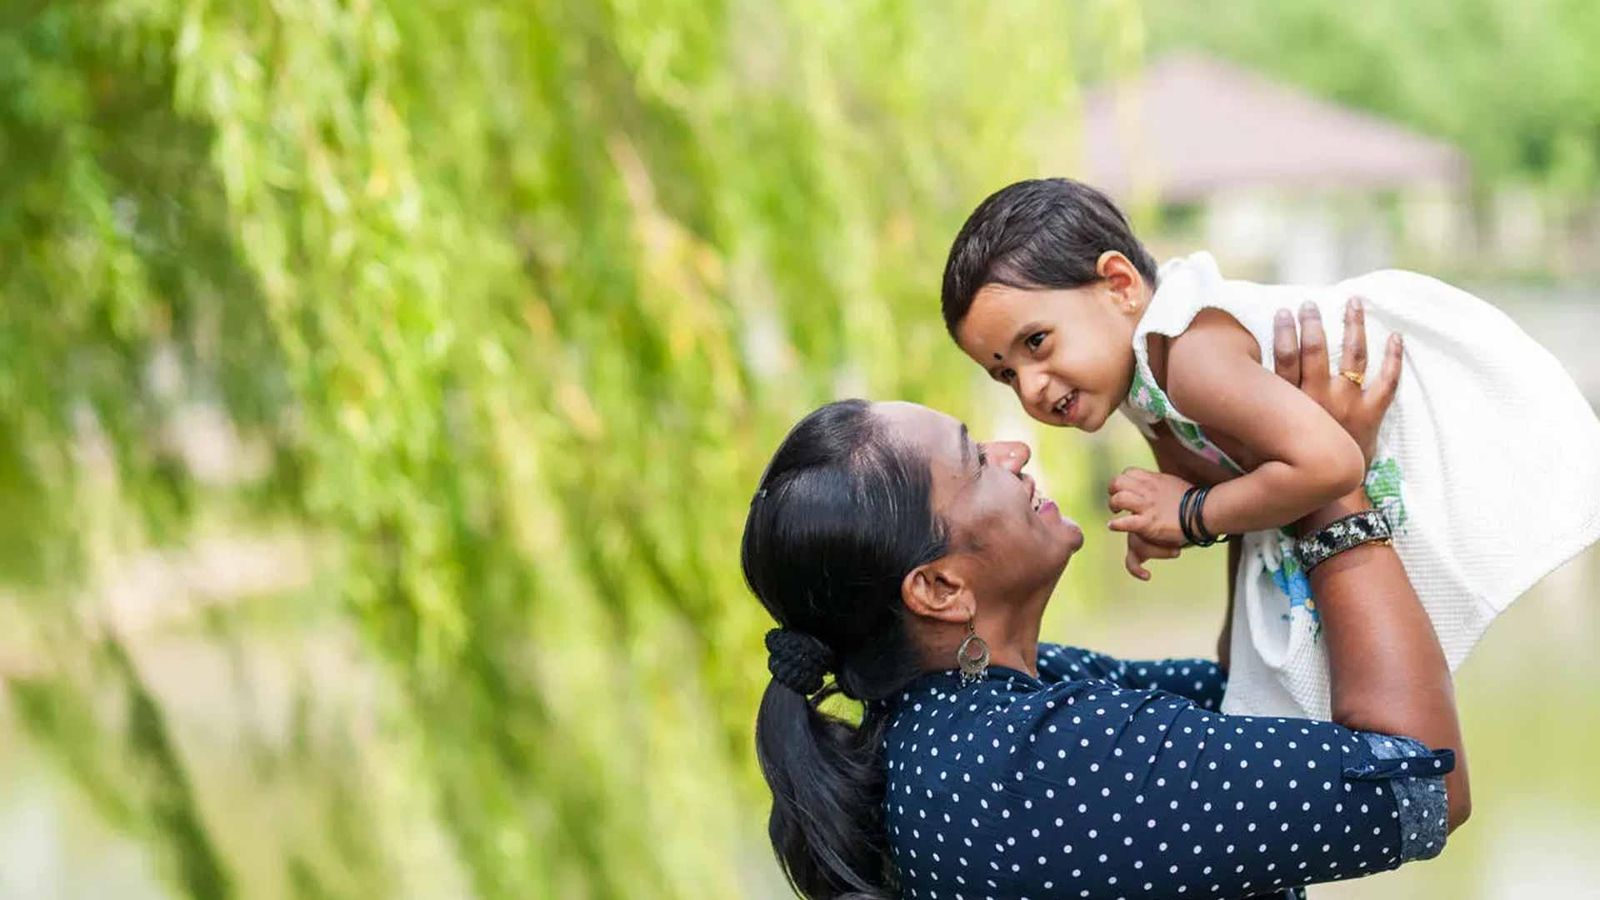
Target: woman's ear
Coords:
[(1122, 278), (938, 590)]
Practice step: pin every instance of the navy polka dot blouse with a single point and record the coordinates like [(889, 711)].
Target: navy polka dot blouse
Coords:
[(1105, 778)]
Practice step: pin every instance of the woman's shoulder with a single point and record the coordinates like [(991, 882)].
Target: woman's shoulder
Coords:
[(1003, 694), (1063, 662)]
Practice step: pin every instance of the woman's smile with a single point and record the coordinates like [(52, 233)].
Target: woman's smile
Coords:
[(1046, 509)]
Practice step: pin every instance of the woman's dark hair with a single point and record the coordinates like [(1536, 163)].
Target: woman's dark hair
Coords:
[(1044, 233), (843, 513)]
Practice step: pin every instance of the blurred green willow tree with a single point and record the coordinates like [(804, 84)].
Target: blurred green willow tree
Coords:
[(517, 296)]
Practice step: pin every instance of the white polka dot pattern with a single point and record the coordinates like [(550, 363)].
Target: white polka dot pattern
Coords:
[(1104, 778)]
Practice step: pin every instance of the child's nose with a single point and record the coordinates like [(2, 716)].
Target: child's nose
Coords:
[(1039, 389)]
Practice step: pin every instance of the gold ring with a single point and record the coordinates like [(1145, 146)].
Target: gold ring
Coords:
[(1357, 378)]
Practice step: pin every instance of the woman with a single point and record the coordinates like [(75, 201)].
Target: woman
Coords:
[(914, 565)]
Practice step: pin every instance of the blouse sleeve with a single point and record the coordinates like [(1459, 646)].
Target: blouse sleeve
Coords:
[(1141, 790), (1200, 680)]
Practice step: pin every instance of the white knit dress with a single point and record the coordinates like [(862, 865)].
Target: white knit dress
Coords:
[(1487, 466)]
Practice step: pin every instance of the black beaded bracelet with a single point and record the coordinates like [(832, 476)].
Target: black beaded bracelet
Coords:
[(1340, 535)]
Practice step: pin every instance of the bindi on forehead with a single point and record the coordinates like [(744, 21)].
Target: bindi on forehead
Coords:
[(997, 357)]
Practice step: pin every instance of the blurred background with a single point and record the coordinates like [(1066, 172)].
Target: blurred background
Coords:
[(382, 387)]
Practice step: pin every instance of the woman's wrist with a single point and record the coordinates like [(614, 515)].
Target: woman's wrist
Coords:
[(1353, 502)]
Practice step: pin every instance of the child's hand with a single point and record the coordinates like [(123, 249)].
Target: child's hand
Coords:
[(1140, 550), (1151, 500)]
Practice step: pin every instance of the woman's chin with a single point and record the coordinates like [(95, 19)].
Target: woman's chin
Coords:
[(1061, 526), (1070, 531), (1074, 535)]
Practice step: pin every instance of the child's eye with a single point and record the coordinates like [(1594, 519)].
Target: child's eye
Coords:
[(1034, 340), (1007, 375)]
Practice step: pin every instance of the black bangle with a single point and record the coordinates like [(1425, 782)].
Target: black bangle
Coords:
[(1206, 537), (1183, 515), (1197, 514), (1191, 517), (1340, 535)]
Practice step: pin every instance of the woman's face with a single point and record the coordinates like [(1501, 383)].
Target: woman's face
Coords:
[(992, 508)]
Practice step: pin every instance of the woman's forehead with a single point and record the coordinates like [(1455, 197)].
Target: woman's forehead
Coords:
[(941, 438)]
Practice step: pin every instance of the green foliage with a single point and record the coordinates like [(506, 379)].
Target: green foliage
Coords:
[(516, 296), (1511, 83)]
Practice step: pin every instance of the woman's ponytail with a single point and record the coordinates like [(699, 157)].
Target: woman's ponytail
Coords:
[(827, 782), (841, 516)]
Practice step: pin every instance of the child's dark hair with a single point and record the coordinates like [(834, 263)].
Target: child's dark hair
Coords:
[(1037, 234)]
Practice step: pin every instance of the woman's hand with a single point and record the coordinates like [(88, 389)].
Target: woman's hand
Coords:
[(1387, 672), (1359, 410)]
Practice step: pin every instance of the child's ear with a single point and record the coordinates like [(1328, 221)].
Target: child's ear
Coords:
[(1122, 278)]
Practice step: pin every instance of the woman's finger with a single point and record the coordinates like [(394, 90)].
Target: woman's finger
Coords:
[(1381, 392), (1313, 349), (1286, 347), (1353, 358)]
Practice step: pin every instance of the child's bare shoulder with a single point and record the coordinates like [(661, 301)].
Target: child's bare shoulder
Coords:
[(1215, 360), (1213, 334), (1213, 331)]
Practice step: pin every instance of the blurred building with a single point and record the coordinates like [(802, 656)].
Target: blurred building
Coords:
[(1280, 184)]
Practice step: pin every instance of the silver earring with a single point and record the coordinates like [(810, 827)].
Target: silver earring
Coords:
[(972, 656)]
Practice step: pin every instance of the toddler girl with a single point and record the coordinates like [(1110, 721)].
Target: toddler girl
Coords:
[(1486, 468)]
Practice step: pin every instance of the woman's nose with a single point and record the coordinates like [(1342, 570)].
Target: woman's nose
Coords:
[(1014, 454)]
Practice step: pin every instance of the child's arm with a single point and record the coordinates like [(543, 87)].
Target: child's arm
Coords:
[(1307, 459), (1174, 458)]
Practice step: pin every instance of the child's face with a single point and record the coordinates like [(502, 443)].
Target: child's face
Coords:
[(1066, 352)]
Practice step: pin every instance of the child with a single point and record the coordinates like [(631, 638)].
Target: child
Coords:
[(1486, 468)]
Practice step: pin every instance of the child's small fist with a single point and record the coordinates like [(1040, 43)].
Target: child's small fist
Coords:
[(1150, 501), (1140, 550)]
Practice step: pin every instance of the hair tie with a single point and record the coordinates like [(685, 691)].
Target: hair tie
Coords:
[(798, 660)]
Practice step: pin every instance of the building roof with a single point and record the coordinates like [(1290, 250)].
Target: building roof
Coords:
[(1189, 126)]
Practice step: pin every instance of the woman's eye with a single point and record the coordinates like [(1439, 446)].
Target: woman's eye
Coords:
[(983, 456), (1034, 340)]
